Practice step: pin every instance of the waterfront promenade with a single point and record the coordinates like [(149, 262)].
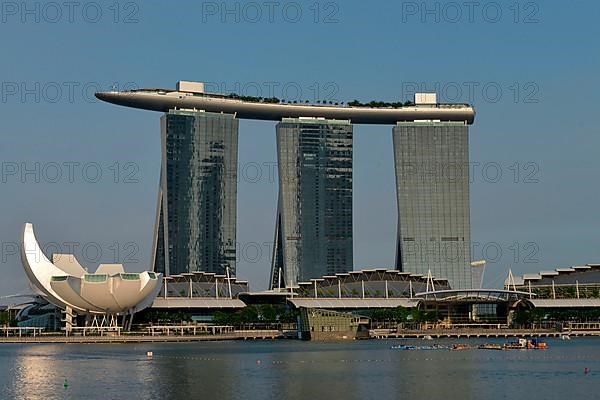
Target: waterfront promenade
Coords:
[(473, 333), (176, 334), (173, 336)]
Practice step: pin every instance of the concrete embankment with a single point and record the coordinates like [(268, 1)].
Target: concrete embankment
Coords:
[(467, 334), (132, 338), (274, 334)]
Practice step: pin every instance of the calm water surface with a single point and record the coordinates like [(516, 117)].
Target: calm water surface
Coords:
[(297, 370)]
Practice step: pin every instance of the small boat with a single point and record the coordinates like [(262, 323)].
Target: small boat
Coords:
[(513, 346), (411, 347), (461, 346), (403, 347), (434, 347), (490, 346), (526, 344), (538, 345)]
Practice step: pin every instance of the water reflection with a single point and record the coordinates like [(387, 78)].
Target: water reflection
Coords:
[(34, 375), (293, 370)]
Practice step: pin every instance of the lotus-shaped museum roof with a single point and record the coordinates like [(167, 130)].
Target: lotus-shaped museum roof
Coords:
[(65, 283)]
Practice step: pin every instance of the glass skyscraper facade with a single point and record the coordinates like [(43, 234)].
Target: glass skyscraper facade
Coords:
[(197, 202), (432, 183), (313, 234)]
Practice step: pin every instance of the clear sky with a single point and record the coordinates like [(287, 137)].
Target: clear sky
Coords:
[(87, 172)]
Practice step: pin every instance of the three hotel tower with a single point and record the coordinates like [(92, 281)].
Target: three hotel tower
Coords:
[(196, 213)]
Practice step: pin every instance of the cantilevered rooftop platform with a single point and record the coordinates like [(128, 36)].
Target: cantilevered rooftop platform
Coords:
[(192, 96)]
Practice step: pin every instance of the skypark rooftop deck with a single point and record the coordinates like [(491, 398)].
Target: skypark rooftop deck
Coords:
[(247, 107)]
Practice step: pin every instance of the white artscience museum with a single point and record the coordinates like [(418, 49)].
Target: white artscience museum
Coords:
[(108, 292)]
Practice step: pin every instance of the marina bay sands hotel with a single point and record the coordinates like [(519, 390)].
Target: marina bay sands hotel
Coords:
[(197, 202)]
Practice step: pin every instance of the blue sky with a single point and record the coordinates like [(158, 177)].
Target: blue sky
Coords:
[(530, 69)]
